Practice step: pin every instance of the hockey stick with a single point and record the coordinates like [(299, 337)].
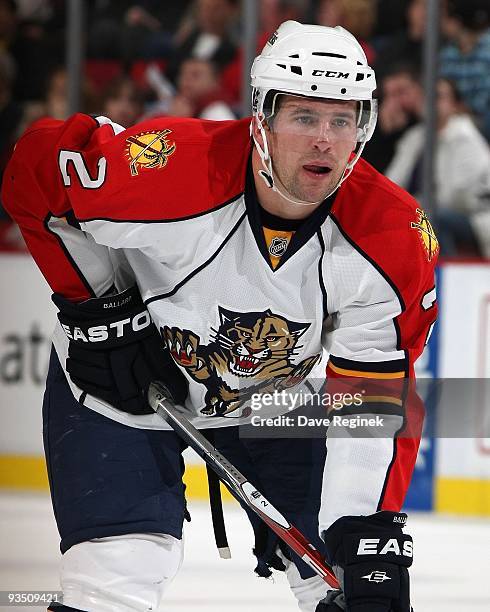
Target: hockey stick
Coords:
[(160, 400)]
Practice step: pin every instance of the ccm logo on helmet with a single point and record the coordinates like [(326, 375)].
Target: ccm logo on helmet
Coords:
[(101, 333), (370, 546), (331, 74)]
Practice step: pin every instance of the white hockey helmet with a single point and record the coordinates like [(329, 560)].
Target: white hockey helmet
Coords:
[(318, 62)]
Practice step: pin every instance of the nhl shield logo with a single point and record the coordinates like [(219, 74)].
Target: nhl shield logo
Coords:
[(278, 246)]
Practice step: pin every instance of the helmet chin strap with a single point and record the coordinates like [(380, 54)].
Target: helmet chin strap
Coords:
[(267, 174)]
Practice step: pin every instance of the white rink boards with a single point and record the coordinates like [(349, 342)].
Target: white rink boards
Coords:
[(450, 572)]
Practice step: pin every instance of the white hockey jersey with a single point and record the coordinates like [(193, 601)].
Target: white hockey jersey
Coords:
[(174, 201)]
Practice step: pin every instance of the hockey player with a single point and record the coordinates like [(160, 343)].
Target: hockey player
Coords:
[(262, 261)]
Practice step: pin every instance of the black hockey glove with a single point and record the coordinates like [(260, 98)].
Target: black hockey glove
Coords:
[(371, 556), (333, 602), (115, 351)]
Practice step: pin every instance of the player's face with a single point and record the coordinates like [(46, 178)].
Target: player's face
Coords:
[(310, 144)]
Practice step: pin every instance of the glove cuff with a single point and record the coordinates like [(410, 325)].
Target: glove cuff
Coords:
[(126, 300), (105, 323)]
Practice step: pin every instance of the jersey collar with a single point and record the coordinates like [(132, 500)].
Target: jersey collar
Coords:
[(303, 233)]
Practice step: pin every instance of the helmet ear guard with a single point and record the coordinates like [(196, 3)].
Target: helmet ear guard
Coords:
[(315, 62), (263, 151)]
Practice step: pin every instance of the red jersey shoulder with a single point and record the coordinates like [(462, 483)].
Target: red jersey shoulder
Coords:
[(387, 224), (34, 186), (168, 168)]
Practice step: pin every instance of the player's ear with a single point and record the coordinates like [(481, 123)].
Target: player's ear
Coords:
[(256, 132)]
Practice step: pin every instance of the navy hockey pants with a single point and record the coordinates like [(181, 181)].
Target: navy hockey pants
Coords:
[(110, 479)]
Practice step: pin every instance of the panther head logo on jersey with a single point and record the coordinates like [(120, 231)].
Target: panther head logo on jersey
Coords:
[(257, 343), (256, 346)]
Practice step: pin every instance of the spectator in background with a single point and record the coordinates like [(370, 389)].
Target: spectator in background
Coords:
[(129, 30), (11, 113), (357, 16), (54, 102), (209, 37), (198, 87), (271, 14), (11, 122), (462, 171), (198, 93), (406, 44), (10, 110), (400, 108), (390, 17), (34, 10), (8, 23), (122, 102), (56, 98), (35, 40), (466, 59)]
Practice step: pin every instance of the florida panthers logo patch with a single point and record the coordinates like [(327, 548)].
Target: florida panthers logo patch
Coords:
[(258, 347), (149, 150), (426, 233)]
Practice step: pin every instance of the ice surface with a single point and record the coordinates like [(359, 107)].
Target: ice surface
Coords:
[(450, 572)]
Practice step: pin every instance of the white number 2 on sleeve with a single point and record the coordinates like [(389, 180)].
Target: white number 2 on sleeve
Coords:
[(78, 163)]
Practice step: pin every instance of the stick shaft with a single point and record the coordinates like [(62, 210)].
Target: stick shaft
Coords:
[(241, 488)]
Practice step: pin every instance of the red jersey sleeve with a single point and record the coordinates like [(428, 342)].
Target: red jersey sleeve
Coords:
[(84, 174), (34, 195), (378, 337)]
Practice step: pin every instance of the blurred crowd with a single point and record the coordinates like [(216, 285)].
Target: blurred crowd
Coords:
[(154, 58)]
